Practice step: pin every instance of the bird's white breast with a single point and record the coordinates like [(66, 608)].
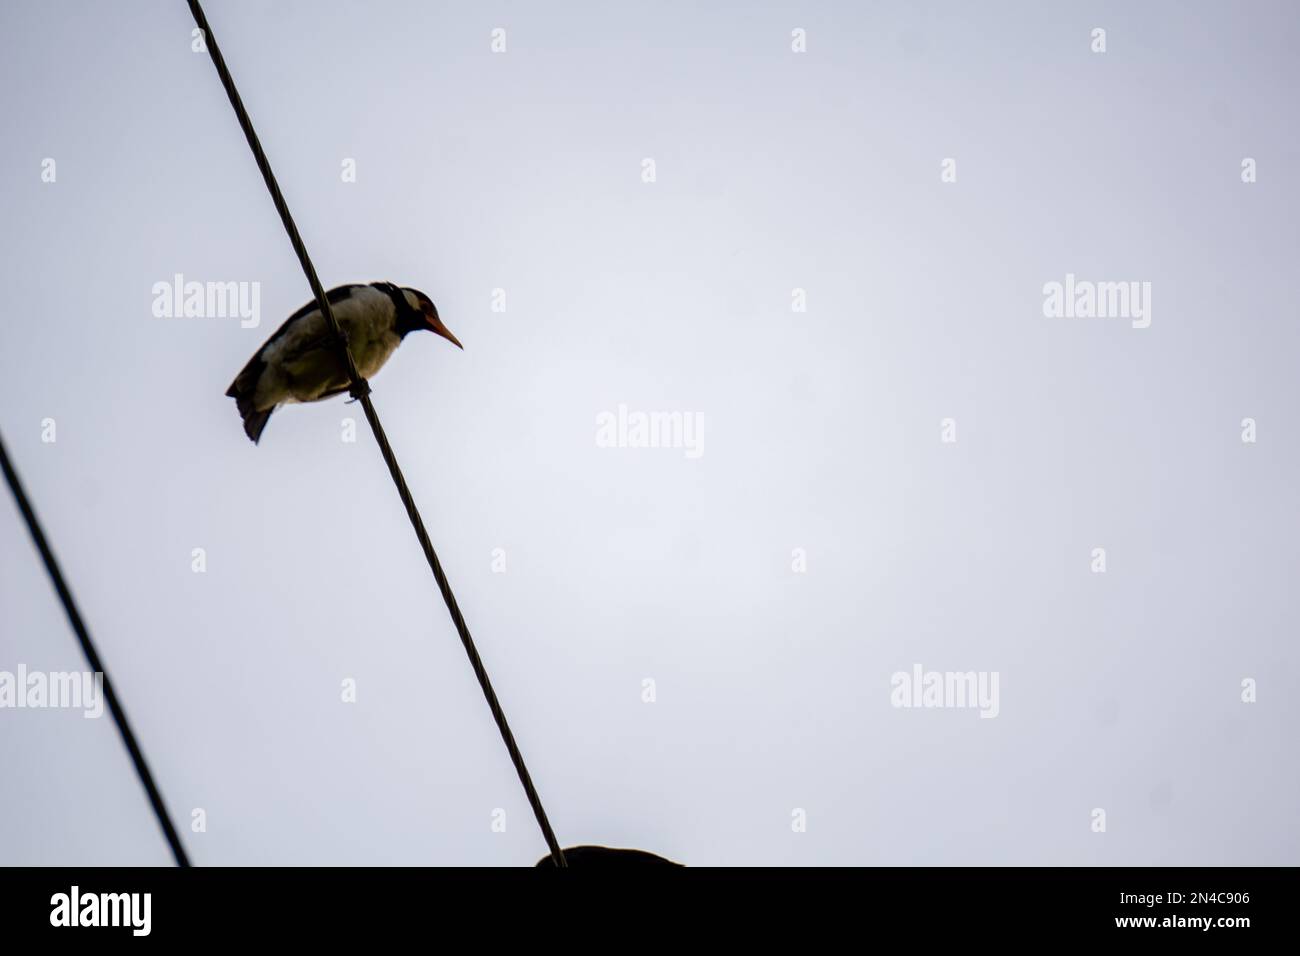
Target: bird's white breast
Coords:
[(367, 317)]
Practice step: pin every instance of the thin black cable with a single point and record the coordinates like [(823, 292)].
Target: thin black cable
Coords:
[(92, 656), (360, 390)]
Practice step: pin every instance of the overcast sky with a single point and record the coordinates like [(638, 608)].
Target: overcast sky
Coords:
[(825, 537)]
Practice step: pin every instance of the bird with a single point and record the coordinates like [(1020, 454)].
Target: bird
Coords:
[(301, 362)]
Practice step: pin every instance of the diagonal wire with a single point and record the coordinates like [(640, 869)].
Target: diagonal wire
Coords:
[(360, 390), (92, 656)]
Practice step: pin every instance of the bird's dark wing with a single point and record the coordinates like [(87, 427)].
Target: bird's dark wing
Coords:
[(334, 296), (246, 380)]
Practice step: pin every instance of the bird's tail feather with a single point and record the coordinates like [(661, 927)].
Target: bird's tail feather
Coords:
[(254, 421)]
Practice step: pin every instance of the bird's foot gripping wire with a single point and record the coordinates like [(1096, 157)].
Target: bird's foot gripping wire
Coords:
[(360, 388)]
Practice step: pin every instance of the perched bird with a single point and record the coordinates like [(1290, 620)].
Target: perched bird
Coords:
[(301, 362)]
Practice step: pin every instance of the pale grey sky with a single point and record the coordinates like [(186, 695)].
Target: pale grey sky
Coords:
[(775, 171)]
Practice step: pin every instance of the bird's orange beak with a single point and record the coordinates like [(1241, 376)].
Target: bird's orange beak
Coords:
[(435, 323)]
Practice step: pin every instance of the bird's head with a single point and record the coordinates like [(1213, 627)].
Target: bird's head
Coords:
[(426, 314)]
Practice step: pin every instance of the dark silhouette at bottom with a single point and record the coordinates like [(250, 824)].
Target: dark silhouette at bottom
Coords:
[(607, 857)]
